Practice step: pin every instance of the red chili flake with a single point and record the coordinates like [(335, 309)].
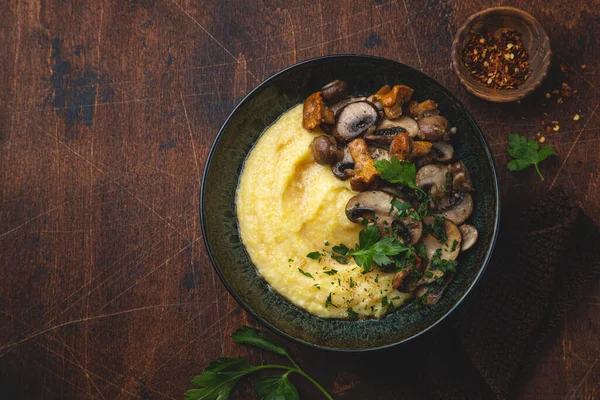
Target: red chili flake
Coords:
[(498, 62)]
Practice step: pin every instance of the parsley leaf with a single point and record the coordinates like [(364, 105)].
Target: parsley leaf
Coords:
[(315, 255), (276, 388), (371, 249), (219, 378), (340, 259), (525, 153), (352, 314), (305, 273), (396, 171), (329, 303), (254, 337), (341, 249), (330, 272)]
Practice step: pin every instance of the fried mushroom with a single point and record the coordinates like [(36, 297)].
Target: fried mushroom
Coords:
[(365, 174), (324, 150), (354, 120), (315, 112)]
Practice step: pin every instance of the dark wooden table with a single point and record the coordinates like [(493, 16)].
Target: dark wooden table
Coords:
[(107, 113)]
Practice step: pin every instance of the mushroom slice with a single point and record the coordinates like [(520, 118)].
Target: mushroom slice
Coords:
[(417, 110), (460, 211), (407, 282), (354, 120), (343, 103), (434, 127), (344, 168), (407, 123), (443, 151), (334, 91), (469, 236), (376, 206), (433, 176), (452, 244), (325, 151), (383, 136), (365, 172), (435, 291), (462, 178), (315, 112)]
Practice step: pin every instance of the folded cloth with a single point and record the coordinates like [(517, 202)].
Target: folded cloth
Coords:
[(544, 258)]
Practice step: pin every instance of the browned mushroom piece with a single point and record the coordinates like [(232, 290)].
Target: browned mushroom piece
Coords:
[(315, 112), (375, 206), (417, 110), (365, 173), (433, 177), (401, 146), (434, 292), (409, 282), (447, 251), (344, 168), (392, 99), (461, 177), (434, 127), (334, 91), (336, 107), (402, 124), (379, 154), (354, 120), (461, 210), (324, 150)]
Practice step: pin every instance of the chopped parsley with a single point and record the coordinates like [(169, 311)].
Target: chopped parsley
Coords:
[(341, 249), (315, 255), (327, 243), (437, 263), (331, 272), (352, 314), (329, 303), (352, 283), (454, 244), (340, 259), (305, 273), (317, 286), (384, 301)]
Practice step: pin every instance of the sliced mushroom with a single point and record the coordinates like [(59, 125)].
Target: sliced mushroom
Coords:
[(417, 110), (460, 211), (376, 207), (336, 107), (399, 278), (450, 249), (461, 177), (383, 137), (407, 123), (365, 173), (435, 291), (334, 91), (315, 112), (434, 127), (469, 236), (354, 120), (325, 151), (442, 151), (433, 176), (409, 282), (344, 168)]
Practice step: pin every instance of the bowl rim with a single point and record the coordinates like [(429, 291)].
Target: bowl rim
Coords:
[(506, 97), (245, 306)]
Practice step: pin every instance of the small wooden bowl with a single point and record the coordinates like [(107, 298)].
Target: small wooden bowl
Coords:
[(494, 20)]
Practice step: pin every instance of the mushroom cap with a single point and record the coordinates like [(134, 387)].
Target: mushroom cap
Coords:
[(336, 107), (469, 236), (334, 91), (434, 127), (354, 120), (325, 151), (462, 178), (461, 211)]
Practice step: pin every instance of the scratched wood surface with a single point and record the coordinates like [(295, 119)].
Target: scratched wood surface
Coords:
[(107, 112)]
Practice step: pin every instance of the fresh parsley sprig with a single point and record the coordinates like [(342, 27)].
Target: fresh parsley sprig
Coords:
[(399, 172), (218, 380), (525, 153)]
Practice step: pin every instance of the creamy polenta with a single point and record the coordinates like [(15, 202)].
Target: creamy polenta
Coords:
[(289, 206)]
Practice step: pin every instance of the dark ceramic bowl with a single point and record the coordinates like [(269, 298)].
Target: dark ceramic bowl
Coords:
[(262, 107)]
